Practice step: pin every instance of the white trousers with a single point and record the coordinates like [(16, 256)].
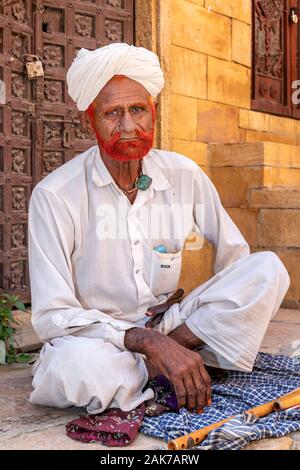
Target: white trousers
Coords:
[(230, 313)]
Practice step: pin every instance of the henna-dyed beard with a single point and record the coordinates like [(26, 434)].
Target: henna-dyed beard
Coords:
[(121, 150), (124, 151)]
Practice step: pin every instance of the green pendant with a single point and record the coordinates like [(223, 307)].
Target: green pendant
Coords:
[(143, 182)]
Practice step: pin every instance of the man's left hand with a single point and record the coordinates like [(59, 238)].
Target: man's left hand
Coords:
[(157, 312)]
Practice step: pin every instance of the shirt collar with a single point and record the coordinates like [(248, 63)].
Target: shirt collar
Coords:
[(102, 177)]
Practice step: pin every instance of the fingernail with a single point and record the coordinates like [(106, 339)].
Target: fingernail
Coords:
[(209, 402)]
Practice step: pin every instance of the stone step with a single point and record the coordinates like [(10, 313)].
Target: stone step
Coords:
[(279, 227), (234, 184), (274, 198), (238, 169), (272, 154)]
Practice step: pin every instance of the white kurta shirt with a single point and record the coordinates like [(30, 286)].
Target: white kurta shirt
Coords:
[(92, 264)]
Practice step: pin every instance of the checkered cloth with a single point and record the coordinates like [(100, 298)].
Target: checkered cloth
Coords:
[(272, 376)]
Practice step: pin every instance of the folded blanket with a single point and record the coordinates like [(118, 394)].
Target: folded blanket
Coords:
[(233, 393)]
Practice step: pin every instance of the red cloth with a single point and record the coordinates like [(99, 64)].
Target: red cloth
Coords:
[(114, 427)]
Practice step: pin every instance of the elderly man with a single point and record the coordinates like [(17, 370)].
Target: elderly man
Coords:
[(106, 234)]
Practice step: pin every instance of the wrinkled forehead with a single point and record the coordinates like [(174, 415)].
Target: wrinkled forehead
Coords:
[(122, 90)]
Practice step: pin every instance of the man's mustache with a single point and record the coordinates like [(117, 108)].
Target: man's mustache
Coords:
[(140, 136)]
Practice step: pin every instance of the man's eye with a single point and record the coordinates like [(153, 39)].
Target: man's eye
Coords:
[(137, 109), (113, 113)]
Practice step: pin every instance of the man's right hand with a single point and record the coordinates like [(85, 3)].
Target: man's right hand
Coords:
[(184, 368)]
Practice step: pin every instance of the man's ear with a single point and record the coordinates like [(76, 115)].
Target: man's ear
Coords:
[(85, 122)]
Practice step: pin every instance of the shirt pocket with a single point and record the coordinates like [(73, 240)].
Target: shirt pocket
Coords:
[(165, 272)]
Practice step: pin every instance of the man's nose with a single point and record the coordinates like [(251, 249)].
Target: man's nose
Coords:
[(127, 123)]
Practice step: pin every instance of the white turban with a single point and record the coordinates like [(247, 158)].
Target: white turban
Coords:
[(91, 70)]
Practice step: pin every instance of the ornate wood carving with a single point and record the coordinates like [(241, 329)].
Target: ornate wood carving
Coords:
[(52, 130), (84, 26), (39, 127), (51, 161), (53, 91), (114, 30), (53, 56), (18, 161), (17, 275), (18, 123), (18, 235), (18, 85), (81, 133), (19, 46), (19, 201), (115, 3), (272, 56), (270, 46), (19, 11)]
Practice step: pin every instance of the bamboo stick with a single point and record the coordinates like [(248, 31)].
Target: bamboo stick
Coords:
[(282, 403)]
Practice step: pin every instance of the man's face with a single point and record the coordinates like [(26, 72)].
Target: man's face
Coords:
[(123, 117)]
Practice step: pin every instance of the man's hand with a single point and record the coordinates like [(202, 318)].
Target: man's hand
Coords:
[(184, 368), (157, 312)]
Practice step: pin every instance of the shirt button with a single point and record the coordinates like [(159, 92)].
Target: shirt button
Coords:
[(136, 242), (137, 271)]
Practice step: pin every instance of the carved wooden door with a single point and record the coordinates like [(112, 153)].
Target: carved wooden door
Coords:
[(39, 127), (275, 63)]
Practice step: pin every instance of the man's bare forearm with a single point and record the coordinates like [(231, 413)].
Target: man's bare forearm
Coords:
[(184, 336), (140, 340)]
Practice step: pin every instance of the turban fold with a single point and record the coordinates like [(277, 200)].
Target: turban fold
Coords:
[(91, 70)]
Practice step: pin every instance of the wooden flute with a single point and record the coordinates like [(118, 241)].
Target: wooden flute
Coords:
[(194, 438)]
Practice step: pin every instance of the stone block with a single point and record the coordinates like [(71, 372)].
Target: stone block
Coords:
[(281, 338), (291, 259), (184, 117), (287, 315), (188, 72), (274, 198), (228, 83), (279, 227), (25, 338), (233, 183), (297, 131), (247, 222), (278, 177), (240, 9), (241, 43), (200, 30), (257, 136), (263, 122), (197, 151), (218, 123), (269, 154)]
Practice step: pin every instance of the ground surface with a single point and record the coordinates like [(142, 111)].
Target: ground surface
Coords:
[(25, 426)]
